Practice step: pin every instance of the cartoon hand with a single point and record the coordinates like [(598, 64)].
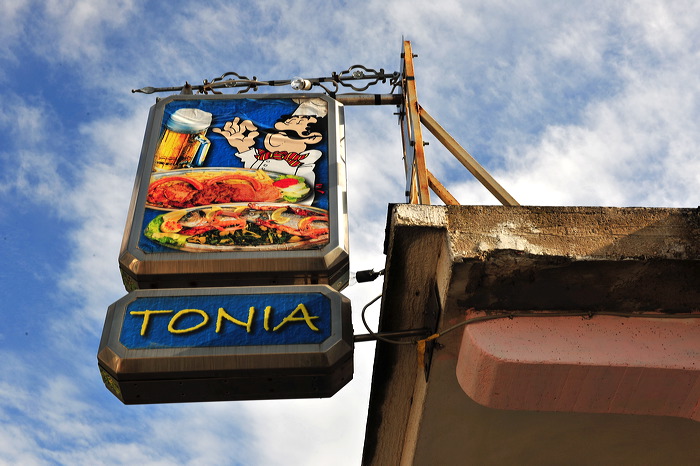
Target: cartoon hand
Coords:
[(239, 134)]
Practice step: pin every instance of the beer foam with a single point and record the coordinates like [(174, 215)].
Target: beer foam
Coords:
[(189, 120)]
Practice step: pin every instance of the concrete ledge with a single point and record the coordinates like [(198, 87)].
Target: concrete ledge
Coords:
[(579, 233), (579, 258)]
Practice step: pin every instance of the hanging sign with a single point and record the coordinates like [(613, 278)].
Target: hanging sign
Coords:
[(235, 190), (208, 344)]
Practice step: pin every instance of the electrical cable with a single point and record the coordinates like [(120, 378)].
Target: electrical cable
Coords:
[(589, 315), (511, 315), (377, 335), (421, 344)]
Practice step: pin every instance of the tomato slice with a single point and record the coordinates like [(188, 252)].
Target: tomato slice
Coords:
[(285, 182)]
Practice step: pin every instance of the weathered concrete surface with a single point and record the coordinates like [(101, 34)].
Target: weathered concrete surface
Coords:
[(490, 260), (579, 233), (520, 258)]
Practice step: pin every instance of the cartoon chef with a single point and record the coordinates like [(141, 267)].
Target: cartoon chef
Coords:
[(285, 147)]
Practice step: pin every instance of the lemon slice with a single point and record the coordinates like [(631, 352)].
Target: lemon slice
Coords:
[(173, 216), (211, 212), (277, 215), (304, 222)]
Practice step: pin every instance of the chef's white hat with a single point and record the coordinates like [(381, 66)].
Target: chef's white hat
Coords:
[(313, 107)]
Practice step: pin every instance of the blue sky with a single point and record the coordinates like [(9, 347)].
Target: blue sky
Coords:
[(593, 105)]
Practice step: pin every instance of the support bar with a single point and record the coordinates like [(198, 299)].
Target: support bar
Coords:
[(369, 99), (412, 134), (440, 190), (466, 159)]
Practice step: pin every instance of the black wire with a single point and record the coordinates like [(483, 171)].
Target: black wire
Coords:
[(589, 315), (512, 315), (376, 335)]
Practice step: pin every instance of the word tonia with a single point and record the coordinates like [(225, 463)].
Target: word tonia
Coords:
[(299, 314)]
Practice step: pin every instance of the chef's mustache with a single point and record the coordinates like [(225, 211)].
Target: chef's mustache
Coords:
[(288, 134)]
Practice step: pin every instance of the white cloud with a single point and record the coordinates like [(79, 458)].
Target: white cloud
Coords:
[(664, 27), (16, 447), (11, 13), (611, 97), (595, 105), (636, 148), (78, 28), (29, 164), (309, 432)]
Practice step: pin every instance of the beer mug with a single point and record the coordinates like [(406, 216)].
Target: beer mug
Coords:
[(183, 143)]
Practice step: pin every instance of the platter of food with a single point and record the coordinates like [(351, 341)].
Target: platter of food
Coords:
[(183, 189), (241, 227)]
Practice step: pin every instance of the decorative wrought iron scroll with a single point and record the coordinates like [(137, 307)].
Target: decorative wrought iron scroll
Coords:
[(357, 77)]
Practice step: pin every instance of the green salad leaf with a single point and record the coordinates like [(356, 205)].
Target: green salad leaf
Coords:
[(154, 233), (294, 192)]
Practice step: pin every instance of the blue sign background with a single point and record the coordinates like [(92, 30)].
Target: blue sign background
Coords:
[(237, 306), (264, 113)]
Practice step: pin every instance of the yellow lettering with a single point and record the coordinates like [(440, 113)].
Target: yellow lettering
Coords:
[(171, 325), (305, 317), (225, 315), (146, 317), (267, 318)]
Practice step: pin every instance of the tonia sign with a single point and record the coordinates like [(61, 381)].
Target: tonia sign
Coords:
[(234, 253), (207, 344), (226, 320)]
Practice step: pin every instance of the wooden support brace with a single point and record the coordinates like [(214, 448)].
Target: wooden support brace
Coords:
[(466, 159), (440, 190), (413, 137)]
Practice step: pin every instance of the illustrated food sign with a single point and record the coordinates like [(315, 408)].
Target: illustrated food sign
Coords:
[(209, 344), (238, 190)]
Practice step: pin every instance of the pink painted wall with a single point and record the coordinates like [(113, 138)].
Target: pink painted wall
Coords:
[(604, 364)]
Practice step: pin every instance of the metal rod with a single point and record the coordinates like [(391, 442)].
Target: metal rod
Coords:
[(230, 83), (357, 77), (369, 99)]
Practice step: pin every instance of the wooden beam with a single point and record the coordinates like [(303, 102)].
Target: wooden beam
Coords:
[(440, 190), (466, 159), (413, 136)]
